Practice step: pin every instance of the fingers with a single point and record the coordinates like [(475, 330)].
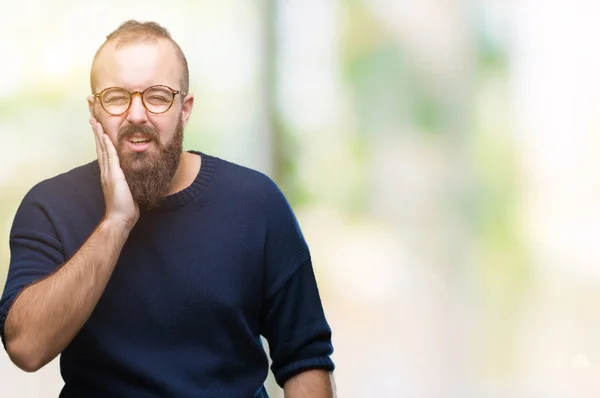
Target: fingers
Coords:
[(109, 154), (100, 147), (113, 158)]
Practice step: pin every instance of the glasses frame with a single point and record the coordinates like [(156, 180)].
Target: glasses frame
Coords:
[(141, 94)]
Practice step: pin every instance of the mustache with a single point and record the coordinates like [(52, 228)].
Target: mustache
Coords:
[(126, 132)]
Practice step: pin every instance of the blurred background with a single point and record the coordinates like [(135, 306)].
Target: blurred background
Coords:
[(441, 157)]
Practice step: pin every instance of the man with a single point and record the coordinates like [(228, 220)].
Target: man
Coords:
[(154, 271)]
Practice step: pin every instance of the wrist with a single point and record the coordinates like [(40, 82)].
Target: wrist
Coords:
[(119, 227)]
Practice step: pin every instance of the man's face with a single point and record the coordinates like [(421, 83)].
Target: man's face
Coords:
[(149, 168)]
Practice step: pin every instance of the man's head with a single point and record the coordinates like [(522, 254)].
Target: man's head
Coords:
[(135, 57)]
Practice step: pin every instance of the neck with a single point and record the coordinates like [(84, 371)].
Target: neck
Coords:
[(189, 166)]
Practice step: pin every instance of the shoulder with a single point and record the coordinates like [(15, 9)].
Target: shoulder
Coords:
[(66, 186), (63, 197), (258, 191), (243, 181)]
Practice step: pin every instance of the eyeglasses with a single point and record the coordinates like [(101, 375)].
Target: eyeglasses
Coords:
[(156, 99)]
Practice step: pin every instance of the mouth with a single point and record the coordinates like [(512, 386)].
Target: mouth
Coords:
[(138, 143)]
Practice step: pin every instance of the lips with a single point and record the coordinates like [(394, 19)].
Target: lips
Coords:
[(137, 138), (138, 143)]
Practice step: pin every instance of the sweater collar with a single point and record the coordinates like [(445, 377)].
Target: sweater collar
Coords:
[(195, 189)]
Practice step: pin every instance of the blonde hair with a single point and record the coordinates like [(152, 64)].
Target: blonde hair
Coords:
[(133, 31)]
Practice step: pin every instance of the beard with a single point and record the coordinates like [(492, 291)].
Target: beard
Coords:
[(149, 174)]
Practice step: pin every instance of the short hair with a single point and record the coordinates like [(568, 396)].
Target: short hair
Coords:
[(132, 31)]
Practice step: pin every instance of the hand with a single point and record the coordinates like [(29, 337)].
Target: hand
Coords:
[(120, 205)]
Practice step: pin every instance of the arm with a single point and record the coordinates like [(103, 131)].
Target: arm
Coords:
[(298, 334), (314, 383), (293, 320), (46, 315)]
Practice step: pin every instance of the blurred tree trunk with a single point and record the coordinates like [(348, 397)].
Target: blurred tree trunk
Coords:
[(272, 129), (269, 81)]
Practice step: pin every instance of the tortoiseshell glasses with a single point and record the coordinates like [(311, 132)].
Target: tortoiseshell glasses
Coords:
[(156, 99)]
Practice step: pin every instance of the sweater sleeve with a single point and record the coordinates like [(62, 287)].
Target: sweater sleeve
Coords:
[(293, 321), (295, 326), (35, 251)]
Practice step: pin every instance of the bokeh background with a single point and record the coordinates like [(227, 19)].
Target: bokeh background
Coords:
[(442, 156)]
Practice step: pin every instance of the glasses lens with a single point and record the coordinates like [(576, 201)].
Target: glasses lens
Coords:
[(115, 100), (158, 99)]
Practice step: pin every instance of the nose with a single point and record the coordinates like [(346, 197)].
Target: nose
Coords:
[(137, 112)]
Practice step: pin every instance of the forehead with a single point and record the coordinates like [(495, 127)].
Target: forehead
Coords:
[(138, 65)]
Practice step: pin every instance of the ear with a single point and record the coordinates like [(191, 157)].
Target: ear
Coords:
[(186, 111), (91, 103)]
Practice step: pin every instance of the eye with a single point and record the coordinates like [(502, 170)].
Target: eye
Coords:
[(116, 98), (115, 95), (158, 98)]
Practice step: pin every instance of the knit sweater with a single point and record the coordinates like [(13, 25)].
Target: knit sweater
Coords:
[(199, 280)]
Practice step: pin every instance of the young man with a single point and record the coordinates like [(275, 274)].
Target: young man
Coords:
[(155, 271)]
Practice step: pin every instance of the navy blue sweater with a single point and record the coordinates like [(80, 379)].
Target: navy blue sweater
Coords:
[(197, 283)]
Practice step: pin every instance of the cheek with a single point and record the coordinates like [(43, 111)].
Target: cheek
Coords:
[(110, 127), (166, 129)]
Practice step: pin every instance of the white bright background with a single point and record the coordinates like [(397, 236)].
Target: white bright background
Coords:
[(457, 254)]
